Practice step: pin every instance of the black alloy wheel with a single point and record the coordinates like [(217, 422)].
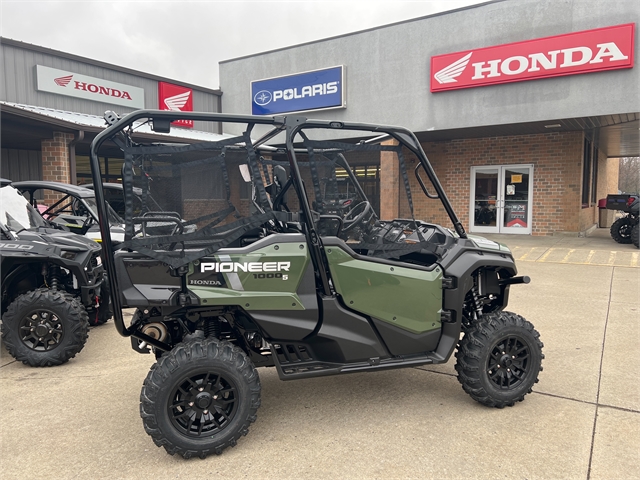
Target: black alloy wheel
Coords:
[(203, 404), (508, 362), (41, 330)]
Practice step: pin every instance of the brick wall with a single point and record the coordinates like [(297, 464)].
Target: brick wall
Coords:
[(557, 177), (389, 189), (55, 162)]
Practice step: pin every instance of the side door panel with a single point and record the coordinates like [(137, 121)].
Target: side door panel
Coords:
[(407, 298)]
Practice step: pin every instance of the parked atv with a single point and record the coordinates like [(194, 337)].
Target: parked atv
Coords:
[(52, 285), (622, 230), (267, 281), (74, 208)]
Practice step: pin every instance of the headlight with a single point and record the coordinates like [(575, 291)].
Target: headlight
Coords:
[(68, 255)]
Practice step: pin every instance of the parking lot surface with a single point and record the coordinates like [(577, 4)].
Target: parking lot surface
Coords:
[(80, 420)]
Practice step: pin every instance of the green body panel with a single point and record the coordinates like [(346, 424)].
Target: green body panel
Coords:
[(405, 297), (252, 293)]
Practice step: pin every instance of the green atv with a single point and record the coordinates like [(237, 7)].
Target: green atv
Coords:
[(275, 257)]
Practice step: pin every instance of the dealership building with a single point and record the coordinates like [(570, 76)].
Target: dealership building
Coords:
[(522, 106), (53, 103)]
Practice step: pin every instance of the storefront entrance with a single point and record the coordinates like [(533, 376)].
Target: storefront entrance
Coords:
[(501, 199)]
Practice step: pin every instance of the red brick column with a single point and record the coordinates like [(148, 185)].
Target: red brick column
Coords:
[(55, 161), (389, 184)]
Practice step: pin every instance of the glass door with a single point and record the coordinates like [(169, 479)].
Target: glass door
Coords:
[(516, 192), (484, 199), (501, 199)]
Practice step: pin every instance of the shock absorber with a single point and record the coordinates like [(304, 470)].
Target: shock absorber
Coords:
[(212, 327), (54, 277), (477, 303)]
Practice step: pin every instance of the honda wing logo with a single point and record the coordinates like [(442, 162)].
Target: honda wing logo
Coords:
[(176, 98), (63, 81), (177, 102), (449, 73)]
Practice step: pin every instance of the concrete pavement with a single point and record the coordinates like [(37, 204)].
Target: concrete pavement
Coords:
[(81, 420)]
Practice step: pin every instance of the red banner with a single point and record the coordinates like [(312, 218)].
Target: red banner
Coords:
[(588, 51), (176, 98)]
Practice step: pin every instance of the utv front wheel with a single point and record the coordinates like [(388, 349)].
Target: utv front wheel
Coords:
[(498, 359), (200, 398), (635, 235), (621, 230), (45, 327)]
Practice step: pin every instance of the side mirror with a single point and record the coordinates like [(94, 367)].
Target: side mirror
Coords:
[(161, 125)]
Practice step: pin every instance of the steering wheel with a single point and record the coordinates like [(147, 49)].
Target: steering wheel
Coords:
[(356, 215)]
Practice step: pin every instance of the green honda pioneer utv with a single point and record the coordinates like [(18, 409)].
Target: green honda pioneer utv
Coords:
[(277, 258)]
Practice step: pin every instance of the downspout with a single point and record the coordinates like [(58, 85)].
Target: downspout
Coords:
[(78, 137)]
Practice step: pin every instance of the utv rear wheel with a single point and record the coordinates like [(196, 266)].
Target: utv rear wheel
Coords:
[(200, 398), (621, 230), (45, 327), (498, 359)]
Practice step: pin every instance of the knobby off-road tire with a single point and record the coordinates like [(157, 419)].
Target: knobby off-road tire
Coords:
[(43, 328), (635, 235), (200, 398), (498, 359), (621, 230)]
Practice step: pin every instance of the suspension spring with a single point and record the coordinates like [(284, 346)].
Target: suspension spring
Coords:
[(54, 277), (212, 327), (477, 303)]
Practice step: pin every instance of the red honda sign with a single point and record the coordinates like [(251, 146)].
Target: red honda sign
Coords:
[(176, 98), (588, 51)]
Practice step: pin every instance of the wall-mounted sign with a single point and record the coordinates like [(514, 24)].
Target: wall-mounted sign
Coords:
[(176, 98), (315, 90), (588, 51), (72, 84)]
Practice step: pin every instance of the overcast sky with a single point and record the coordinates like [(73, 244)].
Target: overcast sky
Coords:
[(185, 40)]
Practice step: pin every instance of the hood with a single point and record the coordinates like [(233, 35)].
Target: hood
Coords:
[(52, 237)]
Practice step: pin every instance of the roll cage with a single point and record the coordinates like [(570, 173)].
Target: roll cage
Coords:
[(296, 144)]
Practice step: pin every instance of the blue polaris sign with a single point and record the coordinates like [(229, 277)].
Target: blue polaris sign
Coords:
[(314, 90)]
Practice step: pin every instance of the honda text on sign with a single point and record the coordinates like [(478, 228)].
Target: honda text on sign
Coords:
[(588, 51), (315, 90)]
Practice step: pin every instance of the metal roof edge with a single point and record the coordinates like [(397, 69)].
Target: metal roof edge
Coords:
[(39, 114)]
